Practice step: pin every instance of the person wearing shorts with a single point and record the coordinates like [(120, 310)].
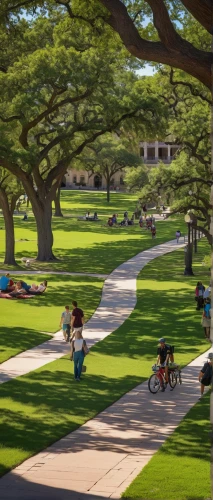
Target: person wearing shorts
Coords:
[(65, 323)]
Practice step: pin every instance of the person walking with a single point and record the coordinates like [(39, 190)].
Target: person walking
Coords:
[(178, 235), (206, 321), (65, 323), (199, 292), (77, 319), (205, 375), (77, 354)]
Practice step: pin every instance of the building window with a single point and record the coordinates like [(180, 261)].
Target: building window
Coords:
[(112, 182), (121, 181), (82, 179), (74, 179), (142, 152)]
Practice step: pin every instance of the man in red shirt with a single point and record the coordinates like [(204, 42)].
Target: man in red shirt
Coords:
[(77, 319)]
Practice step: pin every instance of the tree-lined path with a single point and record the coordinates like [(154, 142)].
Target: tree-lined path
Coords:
[(117, 302)]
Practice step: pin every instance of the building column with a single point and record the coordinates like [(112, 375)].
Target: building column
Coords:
[(169, 152), (145, 150), (156, 150)]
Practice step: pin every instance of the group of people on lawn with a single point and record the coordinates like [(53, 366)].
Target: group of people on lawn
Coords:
[(149, 222), (72, 323), (126, 221), (20, 288)]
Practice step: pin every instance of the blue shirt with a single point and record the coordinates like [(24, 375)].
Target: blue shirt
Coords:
[(4, 281), (207, 308)]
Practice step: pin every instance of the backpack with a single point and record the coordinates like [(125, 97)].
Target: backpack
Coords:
[(207, 376)]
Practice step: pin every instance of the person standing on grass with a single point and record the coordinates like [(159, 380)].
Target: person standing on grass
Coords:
[(65, 323), (77, 319), (205, 375), (153, 231)]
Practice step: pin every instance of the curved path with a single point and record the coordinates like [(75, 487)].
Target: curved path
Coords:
[(101, 458), (117, 302)]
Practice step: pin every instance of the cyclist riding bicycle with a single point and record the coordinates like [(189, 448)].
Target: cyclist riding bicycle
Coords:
[(165, 354)]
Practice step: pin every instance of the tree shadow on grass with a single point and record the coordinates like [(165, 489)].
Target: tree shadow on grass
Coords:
[(14, 340)]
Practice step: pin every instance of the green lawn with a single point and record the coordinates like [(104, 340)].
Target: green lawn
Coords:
[(42, 406), (23, 320), (88, 246), (180, 470)]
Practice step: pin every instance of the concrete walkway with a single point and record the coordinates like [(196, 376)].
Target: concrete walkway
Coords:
[(117, 302), (101, 458), (64, 273)]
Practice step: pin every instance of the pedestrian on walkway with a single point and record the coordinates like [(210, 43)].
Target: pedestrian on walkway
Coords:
[(77, 319), (206, 321), (65, 323), (178, 235), (77, 354), (205, 375)]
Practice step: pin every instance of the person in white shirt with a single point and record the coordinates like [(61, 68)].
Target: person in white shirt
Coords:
[(207, 292), (77, 354)]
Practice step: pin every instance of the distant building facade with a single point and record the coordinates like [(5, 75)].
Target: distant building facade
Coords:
[(150, 152)]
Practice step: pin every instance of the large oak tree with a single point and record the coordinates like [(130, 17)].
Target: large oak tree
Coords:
[(57, 95)]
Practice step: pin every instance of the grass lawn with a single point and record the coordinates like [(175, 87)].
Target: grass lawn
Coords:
[(88, 246), (22, 321), (42, 406), (180, 470)]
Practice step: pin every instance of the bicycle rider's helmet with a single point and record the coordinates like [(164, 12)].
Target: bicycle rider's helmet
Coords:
[(162, 341)]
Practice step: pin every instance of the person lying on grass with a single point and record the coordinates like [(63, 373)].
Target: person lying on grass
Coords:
[(38, 288)]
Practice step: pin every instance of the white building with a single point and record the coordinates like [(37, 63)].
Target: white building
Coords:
[(150, 152)]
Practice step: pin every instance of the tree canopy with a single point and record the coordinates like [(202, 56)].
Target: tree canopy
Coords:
[(151, 30)]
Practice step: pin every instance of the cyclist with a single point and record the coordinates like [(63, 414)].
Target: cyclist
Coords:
[(164, 353)]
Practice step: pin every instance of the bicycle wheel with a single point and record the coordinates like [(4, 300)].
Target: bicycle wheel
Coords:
[(154, 384), (179, 376), (172, 379)]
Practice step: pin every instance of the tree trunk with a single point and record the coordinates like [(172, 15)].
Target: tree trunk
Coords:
[(57, 203), (9, 230), (107, 177), (43, 217)]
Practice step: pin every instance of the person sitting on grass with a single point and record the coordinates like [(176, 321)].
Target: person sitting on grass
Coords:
[(205, 375), (18, 290), (11, 284), (4, 282), (110, 222)]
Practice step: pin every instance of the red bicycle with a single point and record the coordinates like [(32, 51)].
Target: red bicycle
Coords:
[(157, 381)]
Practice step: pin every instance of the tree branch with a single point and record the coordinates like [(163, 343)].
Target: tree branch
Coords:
[(193, 91), (180, 54), (202, 11)]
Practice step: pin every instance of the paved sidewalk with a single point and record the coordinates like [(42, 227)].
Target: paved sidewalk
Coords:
[(101, 458), (117, 302), (64, 273)]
